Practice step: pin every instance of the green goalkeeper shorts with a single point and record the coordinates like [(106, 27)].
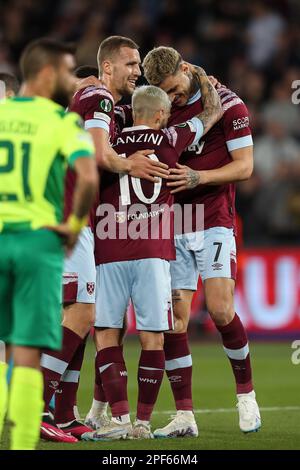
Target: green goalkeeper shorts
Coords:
[(31, 264)]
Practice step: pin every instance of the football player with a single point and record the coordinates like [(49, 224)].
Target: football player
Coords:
[(205, 176)]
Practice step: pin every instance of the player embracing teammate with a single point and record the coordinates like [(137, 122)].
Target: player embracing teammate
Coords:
[(119, 68), (136, 265), (206, 176)]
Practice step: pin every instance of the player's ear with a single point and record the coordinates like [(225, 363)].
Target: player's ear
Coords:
[(157, 116), (48, 76), (184, 67), (107, 67)]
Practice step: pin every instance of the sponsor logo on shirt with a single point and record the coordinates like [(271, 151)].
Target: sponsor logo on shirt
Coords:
[(196, 148), (240, 123), (120, 217)]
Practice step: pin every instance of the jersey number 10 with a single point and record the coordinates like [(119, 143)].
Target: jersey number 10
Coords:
[(137, 187), (9, 166)]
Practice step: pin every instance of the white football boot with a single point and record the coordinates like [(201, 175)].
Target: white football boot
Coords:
[(183, 424), (140, 431), (97, 417), (249, 416), (96, 421), (112, 432)]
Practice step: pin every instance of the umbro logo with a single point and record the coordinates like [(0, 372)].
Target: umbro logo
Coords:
[(54, 384), (217, 266), (175, 379)]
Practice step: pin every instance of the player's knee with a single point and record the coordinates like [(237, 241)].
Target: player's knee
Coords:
[(181, 324), (181, 302), (106, 338), (221, 311), (151, 341)]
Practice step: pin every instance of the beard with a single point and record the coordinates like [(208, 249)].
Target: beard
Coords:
[(62, 96), (125, 92)]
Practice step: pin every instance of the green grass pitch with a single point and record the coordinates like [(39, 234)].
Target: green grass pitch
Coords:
[(277, 383)]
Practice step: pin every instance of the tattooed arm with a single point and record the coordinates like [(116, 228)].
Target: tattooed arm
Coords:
[(184, 177), (212, 108)]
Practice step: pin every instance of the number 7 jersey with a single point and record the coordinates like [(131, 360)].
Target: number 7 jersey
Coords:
[(134, 219), (37, 141)]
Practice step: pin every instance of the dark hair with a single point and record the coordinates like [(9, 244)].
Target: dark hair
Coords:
[(11, 82), (111, 45), (86, 71), (42, 52)]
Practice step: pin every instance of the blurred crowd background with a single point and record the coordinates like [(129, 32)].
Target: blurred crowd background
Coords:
[(251, 46)]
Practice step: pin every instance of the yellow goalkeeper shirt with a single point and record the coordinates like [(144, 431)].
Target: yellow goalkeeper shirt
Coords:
[(37, 142)]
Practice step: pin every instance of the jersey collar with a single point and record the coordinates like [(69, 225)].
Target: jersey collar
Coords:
[(195, 97), (135, 128)]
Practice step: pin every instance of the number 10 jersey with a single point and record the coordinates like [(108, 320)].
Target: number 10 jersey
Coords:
[(135, 218)]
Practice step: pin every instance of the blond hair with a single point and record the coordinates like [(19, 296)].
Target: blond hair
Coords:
[(148, 99), (161, 62)]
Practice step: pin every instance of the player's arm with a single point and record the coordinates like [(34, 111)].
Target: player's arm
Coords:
[(84, 196), (137, 164), (85, 188), (240, 146), (212, 108), (239, 169), (78, 149)]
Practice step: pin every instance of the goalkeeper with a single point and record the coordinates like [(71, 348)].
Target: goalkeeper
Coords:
[(37, 142)]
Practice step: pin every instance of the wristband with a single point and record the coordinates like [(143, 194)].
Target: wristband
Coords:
[(76, 224)]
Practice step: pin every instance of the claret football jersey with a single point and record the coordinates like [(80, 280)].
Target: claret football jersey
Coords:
[(135, 218), (232, 132), (96, 107)]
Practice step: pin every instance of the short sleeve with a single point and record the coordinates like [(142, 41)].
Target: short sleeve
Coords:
[(96, 107), (236, 125), (76, 142), (182, 135)]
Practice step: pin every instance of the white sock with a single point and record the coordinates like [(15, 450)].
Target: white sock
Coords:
[(98, 407), (124, 419), (249, 394), (186, 412)]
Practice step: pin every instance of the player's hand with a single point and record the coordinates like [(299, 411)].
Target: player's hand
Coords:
[(87, 81), (182, 178), (69, 238), (214, 81), (141, 166)]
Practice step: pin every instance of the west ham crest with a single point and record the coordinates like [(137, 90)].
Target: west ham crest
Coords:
[(90, 287)]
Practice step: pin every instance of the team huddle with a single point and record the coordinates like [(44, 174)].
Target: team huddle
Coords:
[(142, 196)]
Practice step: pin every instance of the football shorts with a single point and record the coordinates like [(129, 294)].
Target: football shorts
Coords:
[(146, 282), (210, 254), (30, 288), (79, 278)]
